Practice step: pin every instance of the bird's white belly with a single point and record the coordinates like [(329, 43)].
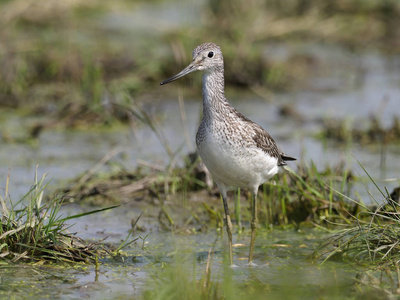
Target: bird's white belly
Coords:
[(234, 164)]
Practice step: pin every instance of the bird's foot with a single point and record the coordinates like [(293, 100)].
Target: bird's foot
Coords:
[(252, 264)]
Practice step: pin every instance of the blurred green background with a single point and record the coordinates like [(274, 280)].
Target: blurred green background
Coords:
[(65, 57)]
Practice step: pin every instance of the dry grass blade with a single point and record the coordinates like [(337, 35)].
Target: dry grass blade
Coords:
[(101, 163)]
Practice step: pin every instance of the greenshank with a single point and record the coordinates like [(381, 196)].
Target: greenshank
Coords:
[(236, 151)]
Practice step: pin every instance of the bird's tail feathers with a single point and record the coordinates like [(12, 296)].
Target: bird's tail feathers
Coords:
[(287, 158)]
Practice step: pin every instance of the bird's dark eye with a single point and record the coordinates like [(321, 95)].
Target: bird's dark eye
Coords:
[(210, 54)]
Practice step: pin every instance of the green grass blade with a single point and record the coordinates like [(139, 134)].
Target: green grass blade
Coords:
[(86, 213)]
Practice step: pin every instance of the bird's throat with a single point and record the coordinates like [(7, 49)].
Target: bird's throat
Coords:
[(213, 93)]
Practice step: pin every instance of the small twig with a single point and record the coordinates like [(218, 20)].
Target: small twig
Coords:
[(137, 219), (101, 163), (150, 165), (18, 256), (207, 271)]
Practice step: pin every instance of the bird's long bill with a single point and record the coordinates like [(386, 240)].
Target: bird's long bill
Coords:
[(189, 69)]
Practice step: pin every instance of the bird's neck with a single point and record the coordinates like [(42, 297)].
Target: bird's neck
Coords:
[(214, 100)]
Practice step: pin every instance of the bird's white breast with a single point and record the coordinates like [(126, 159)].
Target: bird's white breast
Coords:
[(232, 160)]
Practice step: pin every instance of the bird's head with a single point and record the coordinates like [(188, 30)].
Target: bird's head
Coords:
[(207, 57)]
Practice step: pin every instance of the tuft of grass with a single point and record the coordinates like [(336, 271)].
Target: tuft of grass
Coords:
[(374, 242), (33, 231), (305, 196), (374, 238)]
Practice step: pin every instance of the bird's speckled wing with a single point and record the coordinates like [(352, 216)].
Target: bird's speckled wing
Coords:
[(262, 139)]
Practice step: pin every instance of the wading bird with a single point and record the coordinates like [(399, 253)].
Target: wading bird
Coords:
[(235, 150)]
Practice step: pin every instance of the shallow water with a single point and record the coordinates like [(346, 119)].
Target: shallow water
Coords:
[(281, 257)]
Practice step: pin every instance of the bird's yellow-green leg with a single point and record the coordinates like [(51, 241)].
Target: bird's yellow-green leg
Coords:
[(254, 223), (228, 226)]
